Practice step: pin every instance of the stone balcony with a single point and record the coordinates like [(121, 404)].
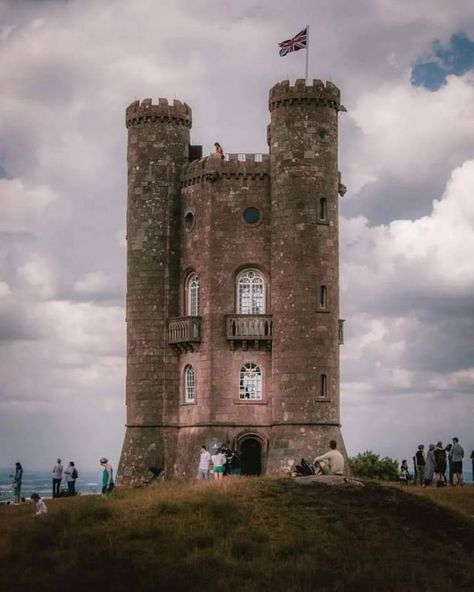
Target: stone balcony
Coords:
[(184, 333), (249, 331)]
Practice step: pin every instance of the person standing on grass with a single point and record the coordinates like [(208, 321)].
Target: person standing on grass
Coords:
[(430, 465), (57, 477), (71, 476), (404, 474), (204, 463), (457, 455), (450, 462), (472, 468), (107, 476), (440, 465), (420, 466), (17, 478), (332, 462), (39, 503), (218, 460)]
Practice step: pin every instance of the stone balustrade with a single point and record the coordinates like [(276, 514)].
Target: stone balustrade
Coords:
[(184, 333), (249, 329)]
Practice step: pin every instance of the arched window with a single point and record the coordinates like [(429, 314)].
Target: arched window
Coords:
[(250, 292), (189, 384), (192, 296), (323, 385), (323, 297), (250, 382)]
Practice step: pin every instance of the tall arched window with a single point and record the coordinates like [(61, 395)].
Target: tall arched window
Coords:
[(189, 384), (250, 382), (250, 292), (192, 295)]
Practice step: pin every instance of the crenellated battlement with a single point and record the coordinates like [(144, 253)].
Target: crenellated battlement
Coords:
[(210, 168), (148, 112), (283, 93)]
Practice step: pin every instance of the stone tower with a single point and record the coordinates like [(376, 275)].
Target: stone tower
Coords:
[(233, 298)]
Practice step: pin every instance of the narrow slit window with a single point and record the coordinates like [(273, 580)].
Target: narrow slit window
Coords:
[(323, 385), (323, 297), (323, 209)]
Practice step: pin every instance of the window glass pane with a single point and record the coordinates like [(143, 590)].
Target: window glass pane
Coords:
[(189, 384), (250, 382), (251, 293), (193, 296)]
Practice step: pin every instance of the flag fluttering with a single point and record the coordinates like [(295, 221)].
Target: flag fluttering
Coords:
[(298, 42)]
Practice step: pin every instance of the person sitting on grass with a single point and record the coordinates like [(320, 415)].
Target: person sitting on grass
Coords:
[(39, 503), (332, 462)]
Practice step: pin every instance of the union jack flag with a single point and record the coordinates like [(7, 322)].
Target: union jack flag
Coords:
[(294, 44)]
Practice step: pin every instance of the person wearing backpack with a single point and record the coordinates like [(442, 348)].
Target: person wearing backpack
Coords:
[(71, 476)]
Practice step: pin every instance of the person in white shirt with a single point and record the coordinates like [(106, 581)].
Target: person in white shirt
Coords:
[(39, 503), (204, 463), (218, 460), (57, 477), (332, 462)]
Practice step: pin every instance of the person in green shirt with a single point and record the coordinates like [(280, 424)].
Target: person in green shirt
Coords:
[(107, 476)]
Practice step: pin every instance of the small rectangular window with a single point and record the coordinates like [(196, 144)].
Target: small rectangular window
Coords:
[(323, 297), (323, 209), (323, 385)]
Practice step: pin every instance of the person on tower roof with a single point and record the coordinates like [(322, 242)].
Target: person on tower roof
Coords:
[(219, 151)]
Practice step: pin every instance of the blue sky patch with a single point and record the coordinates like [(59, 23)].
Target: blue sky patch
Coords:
[(455, 57)]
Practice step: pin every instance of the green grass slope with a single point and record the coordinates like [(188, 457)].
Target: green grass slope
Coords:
[(239, 534)]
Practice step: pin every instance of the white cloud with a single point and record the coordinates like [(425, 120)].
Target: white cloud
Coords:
[(21, 204), (430, 256), (4, 289), (38, 275)]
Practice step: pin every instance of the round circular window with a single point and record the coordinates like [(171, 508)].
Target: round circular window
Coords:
[(189, 220), (252, 215)]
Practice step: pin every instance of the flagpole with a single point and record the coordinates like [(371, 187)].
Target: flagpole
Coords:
[(307, 53)]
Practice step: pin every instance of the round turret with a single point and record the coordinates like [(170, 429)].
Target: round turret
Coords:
[(304, 265), (158, 146)]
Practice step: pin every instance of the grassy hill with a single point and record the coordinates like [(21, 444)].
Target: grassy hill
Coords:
[(240, 534)]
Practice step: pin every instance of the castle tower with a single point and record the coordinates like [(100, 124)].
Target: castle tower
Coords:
[(305, 269), (158, 142), (233, 298)]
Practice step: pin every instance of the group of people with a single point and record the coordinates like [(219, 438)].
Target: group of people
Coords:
[(70, 474), (224, 461), (58, 473), (430, 467)]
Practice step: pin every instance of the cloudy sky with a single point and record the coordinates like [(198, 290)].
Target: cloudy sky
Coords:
[(67, 71)]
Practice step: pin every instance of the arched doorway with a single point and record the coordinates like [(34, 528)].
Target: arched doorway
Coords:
[(251, 456)]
